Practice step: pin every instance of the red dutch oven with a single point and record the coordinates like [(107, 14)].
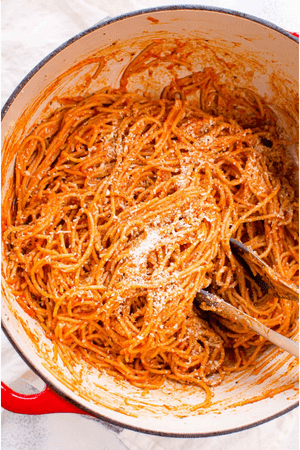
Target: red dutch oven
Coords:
[(266, 58)]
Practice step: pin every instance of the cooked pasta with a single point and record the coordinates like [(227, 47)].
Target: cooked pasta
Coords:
[(122, 208)]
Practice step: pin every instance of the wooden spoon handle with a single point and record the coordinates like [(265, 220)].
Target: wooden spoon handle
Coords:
[(228, 311)]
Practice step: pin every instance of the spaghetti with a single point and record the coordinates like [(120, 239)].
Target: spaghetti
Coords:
[(122, 208)]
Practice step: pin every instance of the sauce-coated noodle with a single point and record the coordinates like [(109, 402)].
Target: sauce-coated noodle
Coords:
[(122, 208)]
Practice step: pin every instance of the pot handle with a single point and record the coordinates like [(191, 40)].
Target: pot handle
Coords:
[(44, 402)]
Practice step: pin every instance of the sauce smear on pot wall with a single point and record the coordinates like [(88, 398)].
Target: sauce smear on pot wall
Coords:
[(123, 207)]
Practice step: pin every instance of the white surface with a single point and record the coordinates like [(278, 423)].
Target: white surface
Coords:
[(30, 30)]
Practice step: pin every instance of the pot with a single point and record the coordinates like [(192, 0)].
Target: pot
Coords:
[(263, 57)]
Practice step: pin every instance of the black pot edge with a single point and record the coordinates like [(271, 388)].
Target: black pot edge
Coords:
[(108, 21), (133, 428), (4, 110)]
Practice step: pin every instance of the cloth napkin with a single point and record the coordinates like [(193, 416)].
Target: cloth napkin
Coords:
[(31, 29)]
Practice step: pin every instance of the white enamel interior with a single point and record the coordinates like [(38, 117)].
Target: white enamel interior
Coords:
[(270, 52)]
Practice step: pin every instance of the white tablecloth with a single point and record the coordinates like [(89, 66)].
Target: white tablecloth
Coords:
[(30, 30)]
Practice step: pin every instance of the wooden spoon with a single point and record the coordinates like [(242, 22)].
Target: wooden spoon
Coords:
[(228, 311), (266, 277)]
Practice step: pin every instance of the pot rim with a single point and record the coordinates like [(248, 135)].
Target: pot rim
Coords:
[(100, 417), (120, 17), (5, 109)]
